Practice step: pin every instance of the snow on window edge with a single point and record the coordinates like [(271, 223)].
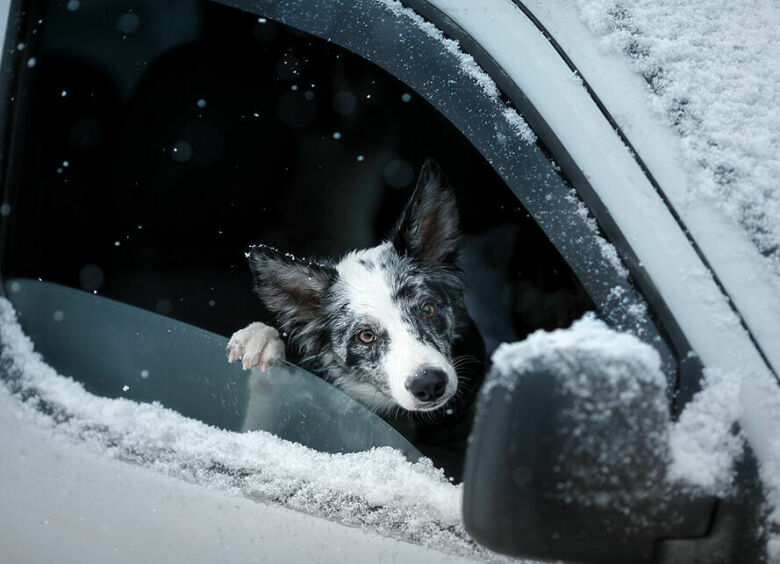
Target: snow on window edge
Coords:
[(468, 65)]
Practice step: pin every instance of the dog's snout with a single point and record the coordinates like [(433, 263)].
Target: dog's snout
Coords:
[(428, 385)]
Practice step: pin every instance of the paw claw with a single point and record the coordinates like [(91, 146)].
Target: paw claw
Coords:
[(250, 361), (234, 354)]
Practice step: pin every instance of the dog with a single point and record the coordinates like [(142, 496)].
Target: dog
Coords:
[(385, 324)]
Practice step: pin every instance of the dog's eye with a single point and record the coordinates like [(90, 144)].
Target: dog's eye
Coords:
[(428, 310), (367, 336)]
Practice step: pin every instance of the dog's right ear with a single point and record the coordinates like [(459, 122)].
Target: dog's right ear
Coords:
[(291, 288)]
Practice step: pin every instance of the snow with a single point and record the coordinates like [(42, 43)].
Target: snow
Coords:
[(613, 419), (518, 125), (700, 448), (467, 64), (703, 313), (379, 490), (607, 249), (702, 444), (711, 66), (637, 210), (589, 336), (760, 422), (69, 503)]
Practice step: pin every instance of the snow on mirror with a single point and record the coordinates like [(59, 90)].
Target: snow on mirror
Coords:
[(116, 350), (616, 391)]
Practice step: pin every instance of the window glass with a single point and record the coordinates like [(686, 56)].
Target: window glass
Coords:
[(117, 350)]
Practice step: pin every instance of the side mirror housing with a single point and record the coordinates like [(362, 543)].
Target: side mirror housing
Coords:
[(570, 449)]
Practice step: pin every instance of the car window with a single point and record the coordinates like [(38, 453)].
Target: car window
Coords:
[(148, 156), (117, 350)]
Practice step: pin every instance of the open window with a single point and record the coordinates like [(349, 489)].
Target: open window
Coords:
[(151, 143)]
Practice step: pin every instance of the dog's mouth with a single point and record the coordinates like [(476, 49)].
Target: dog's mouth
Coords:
[(393, 402), (431, 406)]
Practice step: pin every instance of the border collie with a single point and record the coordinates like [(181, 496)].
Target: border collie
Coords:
[(380, 323)]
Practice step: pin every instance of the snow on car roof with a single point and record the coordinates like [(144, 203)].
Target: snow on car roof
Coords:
[(712, 67)]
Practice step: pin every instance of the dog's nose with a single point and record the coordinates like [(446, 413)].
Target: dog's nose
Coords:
[(428, 385)]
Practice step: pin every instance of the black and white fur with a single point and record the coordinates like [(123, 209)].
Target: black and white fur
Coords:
[(406, 292)]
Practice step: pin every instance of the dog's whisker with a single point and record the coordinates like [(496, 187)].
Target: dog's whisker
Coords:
[(465, 360)]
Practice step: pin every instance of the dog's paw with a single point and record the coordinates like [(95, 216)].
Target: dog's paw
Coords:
[(256, 345)]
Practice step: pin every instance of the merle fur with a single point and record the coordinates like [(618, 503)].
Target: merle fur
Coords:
[(420, 265)]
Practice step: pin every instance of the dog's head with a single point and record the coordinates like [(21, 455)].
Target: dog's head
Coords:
[(381, 322)]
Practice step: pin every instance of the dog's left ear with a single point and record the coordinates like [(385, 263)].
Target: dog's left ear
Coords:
[(290, 288), (428, 227)]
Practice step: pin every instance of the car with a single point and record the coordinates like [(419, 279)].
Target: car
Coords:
[(147, 144)]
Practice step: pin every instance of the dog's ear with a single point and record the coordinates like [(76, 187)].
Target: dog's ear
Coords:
[(292, 289), (428, 227)]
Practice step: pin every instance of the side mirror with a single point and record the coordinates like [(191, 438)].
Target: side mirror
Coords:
[(570, 449)]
